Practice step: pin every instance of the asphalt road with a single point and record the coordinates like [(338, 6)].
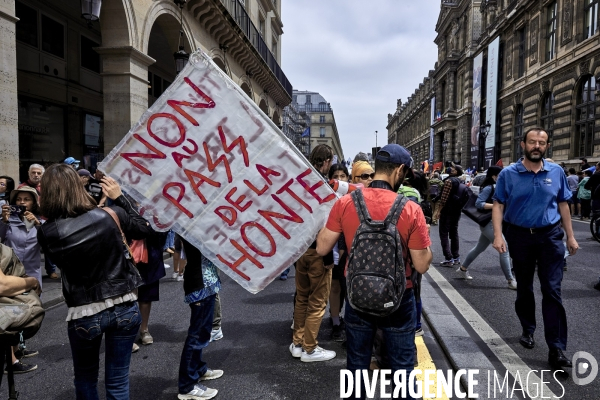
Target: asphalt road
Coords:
[(488, 294)]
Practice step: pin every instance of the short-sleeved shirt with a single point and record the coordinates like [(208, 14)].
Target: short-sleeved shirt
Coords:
[(531, 199), (411, 225), (573, 181)]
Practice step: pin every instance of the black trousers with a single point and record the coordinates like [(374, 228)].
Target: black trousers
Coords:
[(449, 234), (545, 250)]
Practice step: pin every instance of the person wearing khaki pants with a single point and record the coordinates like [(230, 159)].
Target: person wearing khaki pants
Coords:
[(313, 283)]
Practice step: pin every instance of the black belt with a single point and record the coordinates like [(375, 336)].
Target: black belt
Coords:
[(533, 231)]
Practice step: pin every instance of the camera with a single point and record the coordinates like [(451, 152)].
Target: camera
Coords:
[(18, 210)]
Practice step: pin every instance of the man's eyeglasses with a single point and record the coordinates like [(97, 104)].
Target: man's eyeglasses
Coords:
[(364, 177), (2, 184)]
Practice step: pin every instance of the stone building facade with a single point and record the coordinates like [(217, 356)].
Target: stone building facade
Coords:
[(71, 89), (410, 125), (321, 125), (548, 75)]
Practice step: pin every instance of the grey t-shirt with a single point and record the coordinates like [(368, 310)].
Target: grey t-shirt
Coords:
[(573, 181)]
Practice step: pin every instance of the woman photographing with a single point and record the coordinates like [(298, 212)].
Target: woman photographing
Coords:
[(99, 281)]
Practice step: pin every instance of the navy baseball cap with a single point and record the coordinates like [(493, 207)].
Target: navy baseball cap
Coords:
[(396, 154)]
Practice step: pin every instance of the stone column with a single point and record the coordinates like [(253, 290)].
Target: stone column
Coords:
[(9, 113), (451, 92), (125, 86)]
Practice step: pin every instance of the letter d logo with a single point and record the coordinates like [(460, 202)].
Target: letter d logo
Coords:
[(582, 367)]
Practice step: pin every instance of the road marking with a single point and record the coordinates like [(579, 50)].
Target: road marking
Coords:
[(426, 363), (511, 361)]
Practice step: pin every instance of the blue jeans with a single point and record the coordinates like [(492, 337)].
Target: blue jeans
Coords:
[(398, 332), (546, 250), (120, 324), (191, 366), (485, 239), (170, 242), (49, 265)]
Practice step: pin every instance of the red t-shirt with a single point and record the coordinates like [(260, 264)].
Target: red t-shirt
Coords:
[(412, 227)]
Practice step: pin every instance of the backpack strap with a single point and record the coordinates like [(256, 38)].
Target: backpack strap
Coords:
[(397, 208), (361, 207), (115, 217)]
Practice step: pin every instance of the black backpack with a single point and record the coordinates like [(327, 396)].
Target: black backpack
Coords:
[(459, 195), (376, 277), (434, 190)]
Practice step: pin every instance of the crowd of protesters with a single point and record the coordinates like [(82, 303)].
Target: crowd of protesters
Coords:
[(69, 214)]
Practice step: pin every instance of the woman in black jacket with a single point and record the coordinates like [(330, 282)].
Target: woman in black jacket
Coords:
[(99, 281)]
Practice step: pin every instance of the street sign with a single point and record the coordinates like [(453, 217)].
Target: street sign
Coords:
[(205, 161)]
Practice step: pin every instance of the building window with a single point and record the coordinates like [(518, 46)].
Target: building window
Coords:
[(548, 119), (27, 27), (584, 123), (518, 134), (322, 131), (521, 55), (322, 119), (591, 18), (53, 37), (274, 47), (551, 32), (308, 99), (261, 27), (89, 58)]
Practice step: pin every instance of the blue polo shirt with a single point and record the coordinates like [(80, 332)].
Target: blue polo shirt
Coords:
[(531, 200)]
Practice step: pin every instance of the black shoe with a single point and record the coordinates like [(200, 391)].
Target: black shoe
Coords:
[(20, 368), (25, 353), (527, 341), (597, 286), (336, 333), (557, 359)]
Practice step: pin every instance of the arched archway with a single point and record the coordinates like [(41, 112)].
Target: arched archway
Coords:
[(163, 41), (247, 89), (221, 64), (277, 119), (264, 106), (117, 24)]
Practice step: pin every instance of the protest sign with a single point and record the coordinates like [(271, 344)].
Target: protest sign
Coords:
[(205, 161)]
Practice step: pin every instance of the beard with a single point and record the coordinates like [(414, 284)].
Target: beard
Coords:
[(534, 158), (399, 183)]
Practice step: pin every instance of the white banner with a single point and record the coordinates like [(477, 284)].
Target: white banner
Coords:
[(491, 95), (205, 161)]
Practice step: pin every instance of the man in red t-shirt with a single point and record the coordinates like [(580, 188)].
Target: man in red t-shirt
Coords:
[(392, 164)]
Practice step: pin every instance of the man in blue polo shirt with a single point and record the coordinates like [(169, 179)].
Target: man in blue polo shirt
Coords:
[(531, 199)]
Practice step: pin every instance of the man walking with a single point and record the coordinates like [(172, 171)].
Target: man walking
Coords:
[(448, 213), (392, 164), (530, 202), (313, 283)]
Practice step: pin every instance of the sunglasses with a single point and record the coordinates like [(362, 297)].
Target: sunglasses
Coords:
[(364, 177)]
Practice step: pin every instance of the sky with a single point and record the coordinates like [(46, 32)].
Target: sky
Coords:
[(361, 57)]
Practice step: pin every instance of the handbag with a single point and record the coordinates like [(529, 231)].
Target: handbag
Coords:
[(139, 251), (482, 217), (21, 315)]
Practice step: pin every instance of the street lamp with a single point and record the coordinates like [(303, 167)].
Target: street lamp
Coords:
[(90, 10), (181, 57)]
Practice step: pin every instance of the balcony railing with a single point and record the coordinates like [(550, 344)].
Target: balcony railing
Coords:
[(314, 107), (239, 14)]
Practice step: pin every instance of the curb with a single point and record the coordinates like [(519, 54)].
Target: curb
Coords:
[(461, 349)]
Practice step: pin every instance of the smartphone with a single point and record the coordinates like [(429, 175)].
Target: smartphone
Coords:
[(18, 210)]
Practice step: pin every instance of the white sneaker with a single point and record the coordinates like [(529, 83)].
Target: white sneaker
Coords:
[(296, 350), (211, 374), (419, 332), (167, 266), (175, 275), (198, 392), (179, 278), (216, 334), (512, 284), (464, 274), (318, 354)]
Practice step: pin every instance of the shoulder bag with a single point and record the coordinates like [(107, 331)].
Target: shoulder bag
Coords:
[(482, 217)]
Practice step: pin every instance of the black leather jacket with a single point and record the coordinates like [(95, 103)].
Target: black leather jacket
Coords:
[(89, 251)]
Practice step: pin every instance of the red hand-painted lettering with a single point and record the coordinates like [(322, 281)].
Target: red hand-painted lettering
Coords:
[(157, 154)]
